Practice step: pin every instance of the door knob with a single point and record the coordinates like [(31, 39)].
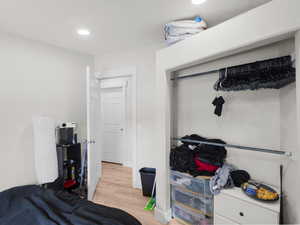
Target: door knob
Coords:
[(121, 129)]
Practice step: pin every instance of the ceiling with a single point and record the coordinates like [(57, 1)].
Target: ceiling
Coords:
[(116, 25)]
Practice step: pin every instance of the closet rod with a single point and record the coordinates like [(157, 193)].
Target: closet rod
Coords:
[(277, 152), (211, 71), (195, 74)]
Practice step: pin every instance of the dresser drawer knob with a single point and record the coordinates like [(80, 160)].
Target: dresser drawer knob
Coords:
[(241, 214)]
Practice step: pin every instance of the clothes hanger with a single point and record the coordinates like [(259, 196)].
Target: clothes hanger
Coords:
[(226, 71)]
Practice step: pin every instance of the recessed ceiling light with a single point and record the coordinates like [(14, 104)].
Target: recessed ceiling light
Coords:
[(83, 32), (198, 2)]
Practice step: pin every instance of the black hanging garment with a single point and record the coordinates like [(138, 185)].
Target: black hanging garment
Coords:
[(218, 103), (273, 73)]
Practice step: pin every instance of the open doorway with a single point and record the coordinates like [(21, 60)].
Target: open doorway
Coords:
[(118, 187), (114, 125), (118, 120)]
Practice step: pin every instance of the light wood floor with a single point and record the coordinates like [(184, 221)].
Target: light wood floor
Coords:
[(115, 190)]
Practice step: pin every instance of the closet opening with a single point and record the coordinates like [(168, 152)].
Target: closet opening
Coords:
[(258, 126)]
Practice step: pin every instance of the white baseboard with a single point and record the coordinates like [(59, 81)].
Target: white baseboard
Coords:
[(128, 164), (138, 183), (162, 216)]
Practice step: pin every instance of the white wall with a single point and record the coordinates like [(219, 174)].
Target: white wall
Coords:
[(262, 118), (288, 141), (36, 79), (144, 61)]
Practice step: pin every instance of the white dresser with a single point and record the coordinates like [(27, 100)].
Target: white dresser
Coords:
[(232, 206)]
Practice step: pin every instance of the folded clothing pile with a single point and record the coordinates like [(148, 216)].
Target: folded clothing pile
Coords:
[(179, 30), (198, 159), (209, 158), (222, 179), (181, 159), (226, 177), (214, 155)]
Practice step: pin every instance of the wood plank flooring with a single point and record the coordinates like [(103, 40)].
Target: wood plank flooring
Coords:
[(115, 190)]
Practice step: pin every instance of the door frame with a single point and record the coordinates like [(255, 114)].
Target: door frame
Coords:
[(129, 72)]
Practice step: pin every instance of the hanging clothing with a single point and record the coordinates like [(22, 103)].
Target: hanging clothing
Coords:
[(273, 73), (218, 103)]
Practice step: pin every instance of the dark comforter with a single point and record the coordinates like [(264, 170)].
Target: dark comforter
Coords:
[(32, 205)]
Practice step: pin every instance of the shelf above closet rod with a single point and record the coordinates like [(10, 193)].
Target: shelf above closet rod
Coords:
[(271, 151)]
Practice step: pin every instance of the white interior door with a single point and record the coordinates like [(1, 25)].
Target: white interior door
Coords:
[(113, 124), (93, 137)]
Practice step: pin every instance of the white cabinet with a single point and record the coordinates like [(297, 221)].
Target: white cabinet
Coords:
[(232, 206), (222, 220)]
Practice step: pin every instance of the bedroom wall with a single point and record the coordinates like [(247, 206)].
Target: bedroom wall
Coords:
[(263, 118), (36, 79), (143, 59)]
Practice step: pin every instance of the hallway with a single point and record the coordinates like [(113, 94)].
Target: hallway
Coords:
[(115, 190)]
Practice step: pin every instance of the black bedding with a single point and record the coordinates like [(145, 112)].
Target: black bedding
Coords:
[(32, 205)]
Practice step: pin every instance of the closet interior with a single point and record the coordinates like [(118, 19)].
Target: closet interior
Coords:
[(258, 126)]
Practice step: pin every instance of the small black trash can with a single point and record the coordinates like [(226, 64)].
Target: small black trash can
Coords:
[(147, 177)]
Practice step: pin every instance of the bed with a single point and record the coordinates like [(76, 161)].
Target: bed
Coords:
[(33, 205)]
